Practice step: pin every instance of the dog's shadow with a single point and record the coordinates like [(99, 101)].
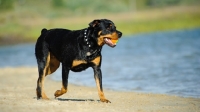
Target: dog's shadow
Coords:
[(77, 100)]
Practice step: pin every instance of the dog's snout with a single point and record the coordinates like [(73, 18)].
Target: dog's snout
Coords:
[(119, 34)]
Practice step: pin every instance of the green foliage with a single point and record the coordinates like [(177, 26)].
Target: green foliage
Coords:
[(28, 17), (57, 3), (6, 4), (144, 4), (162, 2), (176, 22), (95, 6), (107, 6)]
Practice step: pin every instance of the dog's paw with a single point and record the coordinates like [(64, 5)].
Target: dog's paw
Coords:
[(105, 100), (57, 93), (43, 96)]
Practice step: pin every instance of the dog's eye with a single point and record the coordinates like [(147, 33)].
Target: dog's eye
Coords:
[(114, 28), (109, 27)]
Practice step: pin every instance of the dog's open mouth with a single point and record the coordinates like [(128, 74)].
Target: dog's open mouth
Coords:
[(109, 42)]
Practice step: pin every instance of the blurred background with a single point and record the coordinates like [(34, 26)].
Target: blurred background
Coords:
[(158, 53), (22, 20)]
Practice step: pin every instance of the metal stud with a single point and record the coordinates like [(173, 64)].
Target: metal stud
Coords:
[(88, 53)]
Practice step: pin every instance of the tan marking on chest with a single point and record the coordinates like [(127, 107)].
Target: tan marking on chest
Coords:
[(78, 62), (97, 60)]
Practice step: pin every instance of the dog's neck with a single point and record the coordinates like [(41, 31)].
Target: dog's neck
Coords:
[(87, 34)]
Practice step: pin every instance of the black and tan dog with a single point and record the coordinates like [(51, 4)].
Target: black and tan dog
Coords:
[(76, 50)]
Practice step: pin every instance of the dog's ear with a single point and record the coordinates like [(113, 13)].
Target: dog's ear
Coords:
[(94, 23)]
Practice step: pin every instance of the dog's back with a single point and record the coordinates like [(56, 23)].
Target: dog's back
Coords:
[(56, 40)]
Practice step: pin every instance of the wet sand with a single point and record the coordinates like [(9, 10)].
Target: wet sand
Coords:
[(17, 93)]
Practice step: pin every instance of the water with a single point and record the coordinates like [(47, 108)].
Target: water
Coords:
[(162, 62)]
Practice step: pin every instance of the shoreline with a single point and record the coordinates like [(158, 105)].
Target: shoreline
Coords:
[(17, 92), (15, 41)]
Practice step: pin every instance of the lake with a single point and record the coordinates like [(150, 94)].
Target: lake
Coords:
[(160, 62)]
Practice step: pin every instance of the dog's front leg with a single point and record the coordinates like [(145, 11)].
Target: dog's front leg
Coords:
[(65, 73), (98, 79)]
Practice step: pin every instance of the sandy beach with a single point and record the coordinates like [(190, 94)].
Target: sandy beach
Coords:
[(17, 93)]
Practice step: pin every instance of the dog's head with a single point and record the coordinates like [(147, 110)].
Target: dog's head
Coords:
[(105, 32)]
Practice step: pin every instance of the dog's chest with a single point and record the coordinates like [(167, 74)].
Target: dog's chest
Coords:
[(78, 62), (80, 65)]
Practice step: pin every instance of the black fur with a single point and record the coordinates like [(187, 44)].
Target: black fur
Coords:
[(68, 46)]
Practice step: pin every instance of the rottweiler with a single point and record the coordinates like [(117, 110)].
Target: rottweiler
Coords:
[(76, 50)]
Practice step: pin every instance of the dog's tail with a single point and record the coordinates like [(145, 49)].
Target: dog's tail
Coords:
[(44, 30), (42, 35)]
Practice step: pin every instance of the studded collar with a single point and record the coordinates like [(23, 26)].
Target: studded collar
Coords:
[(86, 40)]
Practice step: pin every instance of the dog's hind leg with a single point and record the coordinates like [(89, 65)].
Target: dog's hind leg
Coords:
[(52, 64), (46, 66), (42, 69), (43, 59)]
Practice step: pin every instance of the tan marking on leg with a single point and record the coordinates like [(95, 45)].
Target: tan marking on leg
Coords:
[(52, 64), (45, 72), (40, 84), (60, 92), (78, 62), (101, 94), (97, 60)]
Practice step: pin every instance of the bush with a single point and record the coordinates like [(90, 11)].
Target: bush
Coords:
[(57, 3), (6, 4)]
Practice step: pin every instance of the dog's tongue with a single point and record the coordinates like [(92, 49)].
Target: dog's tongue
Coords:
[(109, 42)]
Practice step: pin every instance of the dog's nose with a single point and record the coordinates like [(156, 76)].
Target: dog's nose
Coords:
[(119, 34)]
